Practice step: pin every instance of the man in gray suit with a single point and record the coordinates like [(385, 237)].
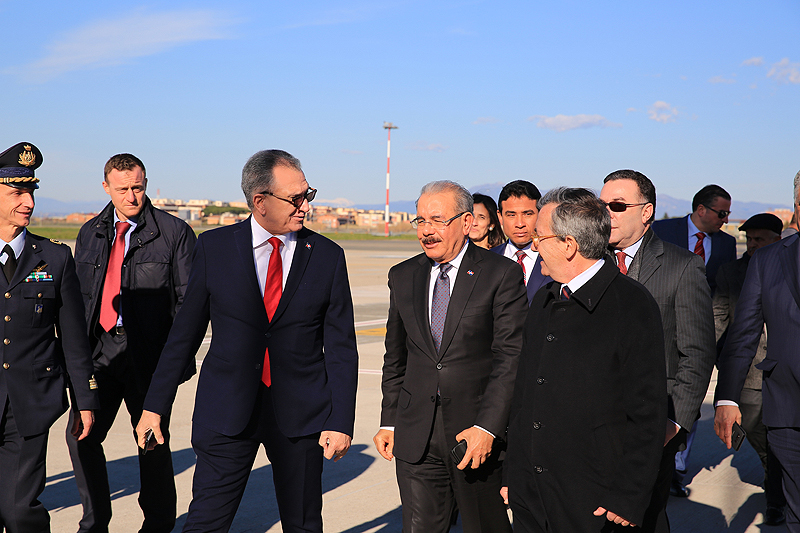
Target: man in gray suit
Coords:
[(676, 279)]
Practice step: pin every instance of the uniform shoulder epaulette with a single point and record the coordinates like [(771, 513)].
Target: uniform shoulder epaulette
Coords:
[(56, 241)]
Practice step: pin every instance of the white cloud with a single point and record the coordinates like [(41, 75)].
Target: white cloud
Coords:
[(352, 152), (785, 71), (753, 62), (721, 79), (116, 41), (486, 120), (631, 110), (572, 122), (423, 146), (662, 112)]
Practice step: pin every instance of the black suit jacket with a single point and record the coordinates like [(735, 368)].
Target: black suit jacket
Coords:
[(587, 418), (675, 278), (723, 246), (311, 338), (475, 366), (536, 280), (45, 347)]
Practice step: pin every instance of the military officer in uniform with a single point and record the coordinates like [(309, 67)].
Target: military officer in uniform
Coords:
[(44, 347)]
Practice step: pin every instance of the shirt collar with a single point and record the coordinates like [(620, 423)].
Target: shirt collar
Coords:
[(261, 236), (581, 279), (17, 243), (693, 230), (456, 262), (631, 250)]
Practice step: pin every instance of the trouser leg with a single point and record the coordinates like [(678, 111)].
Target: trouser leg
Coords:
[(785, 443), (655, 517), (22, 477)]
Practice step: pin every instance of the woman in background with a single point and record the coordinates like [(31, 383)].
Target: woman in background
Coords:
[(485, 231)]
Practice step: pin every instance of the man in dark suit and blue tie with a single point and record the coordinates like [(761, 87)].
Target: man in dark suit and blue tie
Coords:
[(518, 211), (282, 367), (453, 338), (770, 295)]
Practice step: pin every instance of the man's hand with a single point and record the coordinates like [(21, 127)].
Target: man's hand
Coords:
[(82, 425), (334, 444), (724, 417), (479, 446), (504, 494), (672, 430), (613, 517), (149, 420), (384, 442)]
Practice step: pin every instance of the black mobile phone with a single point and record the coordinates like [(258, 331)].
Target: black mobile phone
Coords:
[(148, 438), (458, 452), (737, 436)]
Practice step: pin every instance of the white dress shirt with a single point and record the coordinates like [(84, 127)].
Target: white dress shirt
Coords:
[(262, 250), (693, 238), (529, 259)]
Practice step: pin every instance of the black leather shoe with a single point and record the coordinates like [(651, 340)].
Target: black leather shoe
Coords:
[(678, 490), (774, 516)]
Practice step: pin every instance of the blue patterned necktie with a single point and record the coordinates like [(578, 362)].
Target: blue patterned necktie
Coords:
[(441, 298)]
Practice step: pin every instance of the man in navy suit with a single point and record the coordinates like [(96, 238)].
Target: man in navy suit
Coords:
[(517, 211), (710, 209), (770, 295), (282, 367)]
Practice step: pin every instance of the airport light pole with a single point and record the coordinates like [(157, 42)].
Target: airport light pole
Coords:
[(389, 127)]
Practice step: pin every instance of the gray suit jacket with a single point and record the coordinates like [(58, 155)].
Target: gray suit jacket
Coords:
[(676, 278)]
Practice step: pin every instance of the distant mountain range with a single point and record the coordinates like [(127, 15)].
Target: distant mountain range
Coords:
[(666, 206), (48, 207)]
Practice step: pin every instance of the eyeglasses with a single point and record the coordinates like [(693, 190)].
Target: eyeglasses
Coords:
[(435, 224), (298, 199), (537, 239), (620, 207), (721, 213)]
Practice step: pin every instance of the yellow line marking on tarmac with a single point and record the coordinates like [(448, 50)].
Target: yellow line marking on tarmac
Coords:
[(372, 332)]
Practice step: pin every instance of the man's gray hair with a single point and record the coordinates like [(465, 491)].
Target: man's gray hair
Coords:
[(257, 175), (796, 187), (462, 196), (583, 215)]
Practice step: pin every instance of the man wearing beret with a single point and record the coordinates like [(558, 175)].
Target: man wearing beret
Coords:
[(44, 348), (761, 230)]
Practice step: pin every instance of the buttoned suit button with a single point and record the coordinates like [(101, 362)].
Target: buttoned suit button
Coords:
[(258, 366), (540, 380), (49, 369), (537, 425), (7, 318), (6, 341), (8, 295), (433, 398), (39, 295), (550, 337), (538, 469), (6, 366), (438, 366), (268, 335)]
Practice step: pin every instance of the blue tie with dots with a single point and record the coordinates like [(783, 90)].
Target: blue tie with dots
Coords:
[(441, 298)]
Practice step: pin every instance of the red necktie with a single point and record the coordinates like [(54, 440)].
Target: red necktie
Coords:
[(621, 262), (520, 255), (272, 295), (698, 248), (109, 305)]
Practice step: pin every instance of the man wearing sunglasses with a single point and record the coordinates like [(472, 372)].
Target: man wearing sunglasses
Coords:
[(700, 232), (282, 367), (676, 279)]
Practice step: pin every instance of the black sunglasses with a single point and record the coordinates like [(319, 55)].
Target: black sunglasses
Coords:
[(298, 199), (721, 213), (620, 207)]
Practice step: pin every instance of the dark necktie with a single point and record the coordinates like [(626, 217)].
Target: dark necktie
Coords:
[(698, 248), (565, 293), (441, 298), (109, 305), (11, 263), (621, 262), (273, 288), (520, 256)]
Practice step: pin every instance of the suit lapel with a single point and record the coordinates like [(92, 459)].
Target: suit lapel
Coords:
[(302, 254), (468, 274), (243, 236), (648, 259), (790, 256), (421, 281)]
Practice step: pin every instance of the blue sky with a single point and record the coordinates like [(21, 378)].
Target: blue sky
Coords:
[(559, 93)]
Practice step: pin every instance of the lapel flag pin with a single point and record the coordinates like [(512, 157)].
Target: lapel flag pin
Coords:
[(308, 245), (470, 272)]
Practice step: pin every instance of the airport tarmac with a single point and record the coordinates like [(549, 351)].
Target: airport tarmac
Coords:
[(360, 492)]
